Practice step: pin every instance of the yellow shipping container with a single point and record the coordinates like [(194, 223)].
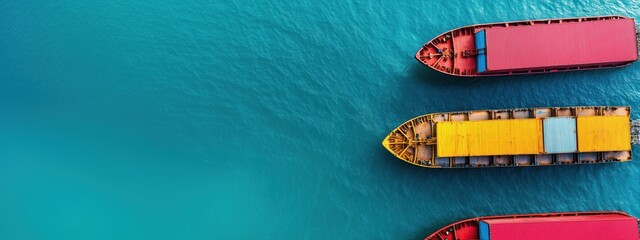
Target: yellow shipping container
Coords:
[(603, 133), (489, 137)]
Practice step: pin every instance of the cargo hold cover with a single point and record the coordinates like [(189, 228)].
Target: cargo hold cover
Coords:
[(595, 227), (489, 137), (559, 135), (560, 45), (604, 133)]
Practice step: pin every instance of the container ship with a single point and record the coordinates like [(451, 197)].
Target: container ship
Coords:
[(516, 137), (536, 46), (566, 226)]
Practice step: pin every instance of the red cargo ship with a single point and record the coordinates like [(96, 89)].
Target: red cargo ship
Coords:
[(536, 46), (566, 226)]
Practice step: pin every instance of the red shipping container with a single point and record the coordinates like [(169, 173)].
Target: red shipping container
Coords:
[(593, 227), (573, 44)]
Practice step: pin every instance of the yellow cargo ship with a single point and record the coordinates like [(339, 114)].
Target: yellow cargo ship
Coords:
[(514, 137)]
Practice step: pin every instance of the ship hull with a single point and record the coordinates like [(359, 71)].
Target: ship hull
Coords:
[(469, 229), (554, 42), (418, 142)]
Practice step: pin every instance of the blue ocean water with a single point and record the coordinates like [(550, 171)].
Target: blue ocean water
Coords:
[(263, 120)]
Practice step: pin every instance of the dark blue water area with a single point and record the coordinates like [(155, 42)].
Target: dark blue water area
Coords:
[(263, 120)]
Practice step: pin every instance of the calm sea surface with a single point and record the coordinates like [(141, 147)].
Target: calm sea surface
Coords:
[(263, 120)]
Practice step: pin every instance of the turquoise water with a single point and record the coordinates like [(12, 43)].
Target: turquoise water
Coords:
[(263, 120)]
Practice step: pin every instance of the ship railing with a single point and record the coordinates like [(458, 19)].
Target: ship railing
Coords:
[(638, 38), (635, 132)]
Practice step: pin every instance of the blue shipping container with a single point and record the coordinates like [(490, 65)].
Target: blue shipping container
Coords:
[(559, 135), (483, 230), (481, 45)]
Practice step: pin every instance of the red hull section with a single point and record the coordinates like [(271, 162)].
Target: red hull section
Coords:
[(536, 46), (614, 225)]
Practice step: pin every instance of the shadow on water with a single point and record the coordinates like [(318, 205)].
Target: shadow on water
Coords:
[(422, 75), (426, 75), (419, 235)]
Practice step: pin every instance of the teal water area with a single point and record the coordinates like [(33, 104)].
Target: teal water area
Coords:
[(263, 120)]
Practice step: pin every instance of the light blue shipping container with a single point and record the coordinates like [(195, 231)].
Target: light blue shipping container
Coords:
[(559, 135), (481, 59), (483, 230)]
